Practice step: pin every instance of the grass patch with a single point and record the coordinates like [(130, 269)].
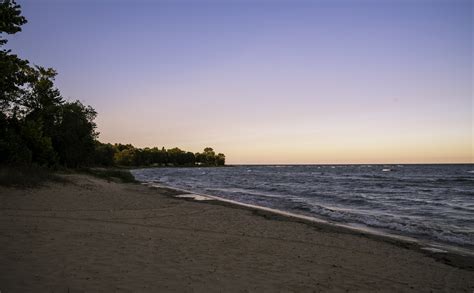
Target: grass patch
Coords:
[(120, 175), (27, 176)]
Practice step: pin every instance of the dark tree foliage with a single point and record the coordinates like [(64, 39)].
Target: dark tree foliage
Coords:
[(14, 72), (75, 134), (104, 154), (209, 158), (128, 155), (11, 19)]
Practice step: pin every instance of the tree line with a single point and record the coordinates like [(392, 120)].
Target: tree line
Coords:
[(128, 155), (38, 126)]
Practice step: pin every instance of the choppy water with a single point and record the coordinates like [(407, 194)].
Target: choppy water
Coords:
[(431, 202)]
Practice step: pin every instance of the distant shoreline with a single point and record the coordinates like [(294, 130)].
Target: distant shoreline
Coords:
[(315, 164)]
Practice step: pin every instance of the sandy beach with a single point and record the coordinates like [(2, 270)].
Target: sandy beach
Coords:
[(93, 235)]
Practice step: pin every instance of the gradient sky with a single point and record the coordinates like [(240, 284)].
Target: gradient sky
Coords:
[(267, 81)]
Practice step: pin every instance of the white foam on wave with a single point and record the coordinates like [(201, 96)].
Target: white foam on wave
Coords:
[(434, 249), (193, 196)]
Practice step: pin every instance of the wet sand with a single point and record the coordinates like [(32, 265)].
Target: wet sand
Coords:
[(91, 235)]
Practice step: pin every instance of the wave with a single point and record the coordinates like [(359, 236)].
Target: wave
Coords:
[(426, 201), (243, 191)]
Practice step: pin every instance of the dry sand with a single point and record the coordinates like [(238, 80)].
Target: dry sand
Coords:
[(91, 235)]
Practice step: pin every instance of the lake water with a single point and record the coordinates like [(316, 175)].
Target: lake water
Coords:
[(430, 202)]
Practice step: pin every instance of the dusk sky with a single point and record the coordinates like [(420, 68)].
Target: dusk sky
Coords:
[(267, 81)]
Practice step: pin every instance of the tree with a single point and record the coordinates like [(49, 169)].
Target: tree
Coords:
[(75, 134), (40, 145), (11, 18), (209, 156), (42, 103), (190, 159), (13, 149), (104, 154), (124, 157), (158, 157), (175, 156), (33, 113), (220, 159), (14, 72)]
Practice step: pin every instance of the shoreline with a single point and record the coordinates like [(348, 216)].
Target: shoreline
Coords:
[(92, 234), (369, 200), (459, 257)]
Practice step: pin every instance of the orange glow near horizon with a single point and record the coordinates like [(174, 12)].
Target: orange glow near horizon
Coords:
[(287, 146)]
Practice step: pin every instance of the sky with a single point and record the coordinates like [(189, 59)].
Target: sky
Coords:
[(267, 82)]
